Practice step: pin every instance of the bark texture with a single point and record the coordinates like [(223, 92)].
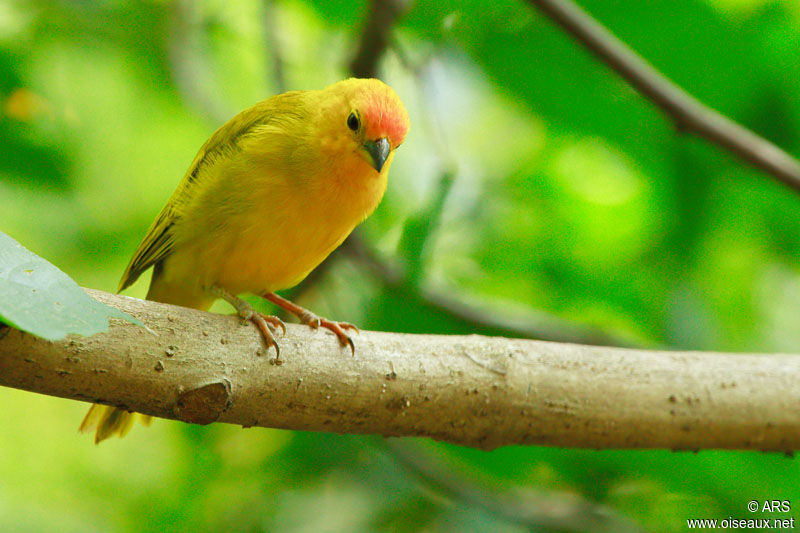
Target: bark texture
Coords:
[(476, 391)]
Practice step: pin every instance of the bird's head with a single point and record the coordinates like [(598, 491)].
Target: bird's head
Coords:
[(367, 119)]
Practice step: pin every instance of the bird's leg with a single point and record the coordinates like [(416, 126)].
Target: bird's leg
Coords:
[(265, 323), (310, 319)]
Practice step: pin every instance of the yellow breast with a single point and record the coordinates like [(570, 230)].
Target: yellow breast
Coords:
[(255, 230)]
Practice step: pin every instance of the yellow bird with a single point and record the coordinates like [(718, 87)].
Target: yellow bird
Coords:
[(273, 191)]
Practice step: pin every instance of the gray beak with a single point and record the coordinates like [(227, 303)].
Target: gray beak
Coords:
[(378, 151)]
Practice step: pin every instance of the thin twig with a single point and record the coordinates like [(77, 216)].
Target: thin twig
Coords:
[(688, 113)]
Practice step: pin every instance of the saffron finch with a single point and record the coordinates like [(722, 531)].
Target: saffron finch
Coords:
[(273, 191)]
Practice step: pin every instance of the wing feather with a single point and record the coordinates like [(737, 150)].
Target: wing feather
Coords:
[(160, 238)]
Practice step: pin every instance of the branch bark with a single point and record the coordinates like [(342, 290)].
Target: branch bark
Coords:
[(688, 113), (476, 391)]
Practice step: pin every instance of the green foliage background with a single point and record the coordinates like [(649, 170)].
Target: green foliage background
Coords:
[(571, 195)]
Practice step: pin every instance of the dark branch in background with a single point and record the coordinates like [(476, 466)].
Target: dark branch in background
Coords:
[(687, 112), (375, 37), (273, 45), (523, 324), (374, 42), (473, 314), (530, 508)]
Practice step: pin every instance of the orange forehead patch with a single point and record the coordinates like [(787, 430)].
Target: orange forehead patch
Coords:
[(385, 116)]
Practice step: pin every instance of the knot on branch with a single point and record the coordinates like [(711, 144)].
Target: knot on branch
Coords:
[(205, 404)]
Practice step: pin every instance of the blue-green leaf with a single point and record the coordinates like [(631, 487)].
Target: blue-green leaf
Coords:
[(40, 299)]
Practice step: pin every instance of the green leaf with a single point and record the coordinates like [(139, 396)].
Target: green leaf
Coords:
[(37, 297)]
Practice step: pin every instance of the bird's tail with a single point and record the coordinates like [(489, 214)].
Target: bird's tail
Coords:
[(110, 421)]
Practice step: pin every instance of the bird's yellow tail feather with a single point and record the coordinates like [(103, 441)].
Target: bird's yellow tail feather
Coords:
[(110, 421)]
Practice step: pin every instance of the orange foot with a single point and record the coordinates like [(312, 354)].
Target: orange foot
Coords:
[(265, 323), (310, 319)]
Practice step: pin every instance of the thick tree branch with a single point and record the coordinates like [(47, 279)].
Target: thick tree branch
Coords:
[(470, 390), (687, 112)]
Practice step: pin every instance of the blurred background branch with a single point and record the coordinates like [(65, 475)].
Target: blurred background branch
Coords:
[(530, 508), (272, 39), (506, 320), (688, 113), (376, 35), (501, 319)]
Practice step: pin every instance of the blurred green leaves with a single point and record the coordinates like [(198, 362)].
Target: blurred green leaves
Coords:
[(38, 298), (573, 197)]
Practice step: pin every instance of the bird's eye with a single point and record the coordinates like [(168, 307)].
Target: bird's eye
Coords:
[(352, 122)]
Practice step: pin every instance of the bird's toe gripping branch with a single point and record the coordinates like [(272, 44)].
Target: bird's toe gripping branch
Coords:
[(266, 324), (338, 328), (310, 319)]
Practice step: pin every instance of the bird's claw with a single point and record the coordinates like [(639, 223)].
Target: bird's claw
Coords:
[(338, 328), (348, 325), (310, 319), (275, 322), (267, 324)]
